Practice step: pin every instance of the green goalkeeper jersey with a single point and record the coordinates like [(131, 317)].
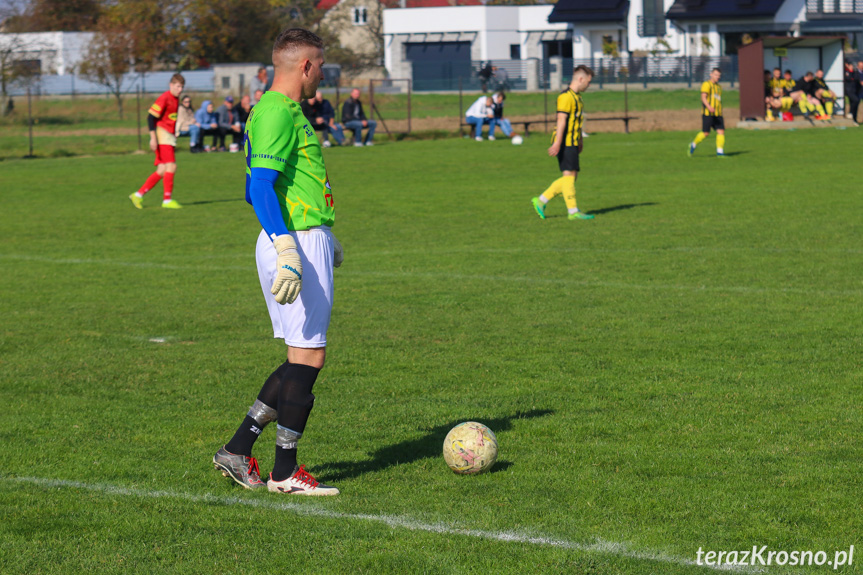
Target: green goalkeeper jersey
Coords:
[(279, 137)]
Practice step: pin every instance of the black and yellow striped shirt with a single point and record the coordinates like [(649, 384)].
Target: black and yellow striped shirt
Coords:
[(569, 103), (714, 98)]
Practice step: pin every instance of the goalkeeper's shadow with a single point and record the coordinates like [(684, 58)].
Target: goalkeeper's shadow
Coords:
[(426, 447)]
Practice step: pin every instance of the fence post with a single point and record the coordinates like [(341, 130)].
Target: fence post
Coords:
[(30, 119), (138, 107), (689, 71), (460, 108), (409, 105), (545, 113), (644, 64), (600, 72)]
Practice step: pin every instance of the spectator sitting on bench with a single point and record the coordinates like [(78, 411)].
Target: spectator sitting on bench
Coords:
[(225, 113), (186, 123), (209, 122), (241, 114), (354, 119), (322, 117), (480, 113), (497, 108)]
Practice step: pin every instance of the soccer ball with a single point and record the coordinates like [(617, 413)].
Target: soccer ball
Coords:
[(517, 140), (470, 448)]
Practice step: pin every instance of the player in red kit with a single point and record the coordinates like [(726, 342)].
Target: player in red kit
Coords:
[(161, 119)]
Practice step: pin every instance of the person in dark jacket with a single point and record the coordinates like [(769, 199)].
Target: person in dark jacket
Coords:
[(852, 90), (354, 119), (322, 117), (225, 114)]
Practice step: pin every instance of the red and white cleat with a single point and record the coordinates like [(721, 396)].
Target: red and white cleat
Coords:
[(300, 483)]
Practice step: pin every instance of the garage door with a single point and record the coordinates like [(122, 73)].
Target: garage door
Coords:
[(438, 65)]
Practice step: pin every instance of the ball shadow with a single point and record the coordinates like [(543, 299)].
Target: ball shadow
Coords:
[(426, 447)]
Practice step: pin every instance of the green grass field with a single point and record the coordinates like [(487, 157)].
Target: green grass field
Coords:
[(682, 372)]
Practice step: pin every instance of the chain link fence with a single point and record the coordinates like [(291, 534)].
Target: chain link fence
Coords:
[(554, 73)]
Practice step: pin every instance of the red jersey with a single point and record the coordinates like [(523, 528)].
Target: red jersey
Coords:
[(165, 109)]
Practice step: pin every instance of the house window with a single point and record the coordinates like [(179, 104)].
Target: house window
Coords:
[(515, 51), (360, 16), (226, 82)]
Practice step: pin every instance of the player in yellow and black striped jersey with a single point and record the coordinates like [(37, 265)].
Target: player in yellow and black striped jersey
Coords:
[(711, 113), (567, 144), (824, 94), (775, 96)]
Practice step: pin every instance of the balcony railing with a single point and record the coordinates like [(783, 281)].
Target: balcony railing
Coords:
[(834, 7), (653, 26)]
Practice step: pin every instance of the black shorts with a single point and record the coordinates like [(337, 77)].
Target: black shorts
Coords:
[(715, 122), (567, 159)]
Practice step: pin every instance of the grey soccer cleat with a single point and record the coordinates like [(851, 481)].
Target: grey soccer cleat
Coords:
[(242, 469)]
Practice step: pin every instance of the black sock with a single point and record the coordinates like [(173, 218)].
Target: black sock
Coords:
[(250, 430), (295, 405)]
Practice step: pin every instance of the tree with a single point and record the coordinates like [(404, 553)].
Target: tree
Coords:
[(60, 15), (109, 58)]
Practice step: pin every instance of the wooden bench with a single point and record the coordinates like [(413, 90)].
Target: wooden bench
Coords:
[(525, 123)]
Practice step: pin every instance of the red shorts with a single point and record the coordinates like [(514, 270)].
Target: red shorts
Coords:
[(164, 155)]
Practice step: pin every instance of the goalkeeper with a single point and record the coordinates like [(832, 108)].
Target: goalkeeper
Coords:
[(287, 184)]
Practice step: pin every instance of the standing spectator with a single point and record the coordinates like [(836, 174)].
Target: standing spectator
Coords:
[(225, 114), (209, 122), (480, 113), (501, 79), (322, 116), (186, 123), (162, 120), (258, 84), (485, 74), (852, 90), (354, 119)]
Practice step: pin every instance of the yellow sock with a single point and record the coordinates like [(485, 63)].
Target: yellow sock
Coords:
[(569, 192), (787, 103), (720, 142), (820, 109), (803, 105), (699, 137), (554, 189), (828, 105), (769, 114)]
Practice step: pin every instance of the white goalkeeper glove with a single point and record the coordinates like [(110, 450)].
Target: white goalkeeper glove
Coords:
[(289, 279), (338, 253)]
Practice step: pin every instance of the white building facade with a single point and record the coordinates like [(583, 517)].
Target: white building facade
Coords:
[(52, 52)]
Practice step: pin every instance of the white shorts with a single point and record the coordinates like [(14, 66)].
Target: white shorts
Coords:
[(303, 323)]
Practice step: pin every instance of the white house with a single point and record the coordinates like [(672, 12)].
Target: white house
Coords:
[(51, 52)]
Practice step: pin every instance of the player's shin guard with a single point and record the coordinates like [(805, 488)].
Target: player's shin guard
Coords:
[(262, 412), (699, 137), (553, 190), (295, 405), (569, 193), (150, 183), (168, 184)]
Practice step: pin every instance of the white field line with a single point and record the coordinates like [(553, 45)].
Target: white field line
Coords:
[(393, 521), (463, 277)]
